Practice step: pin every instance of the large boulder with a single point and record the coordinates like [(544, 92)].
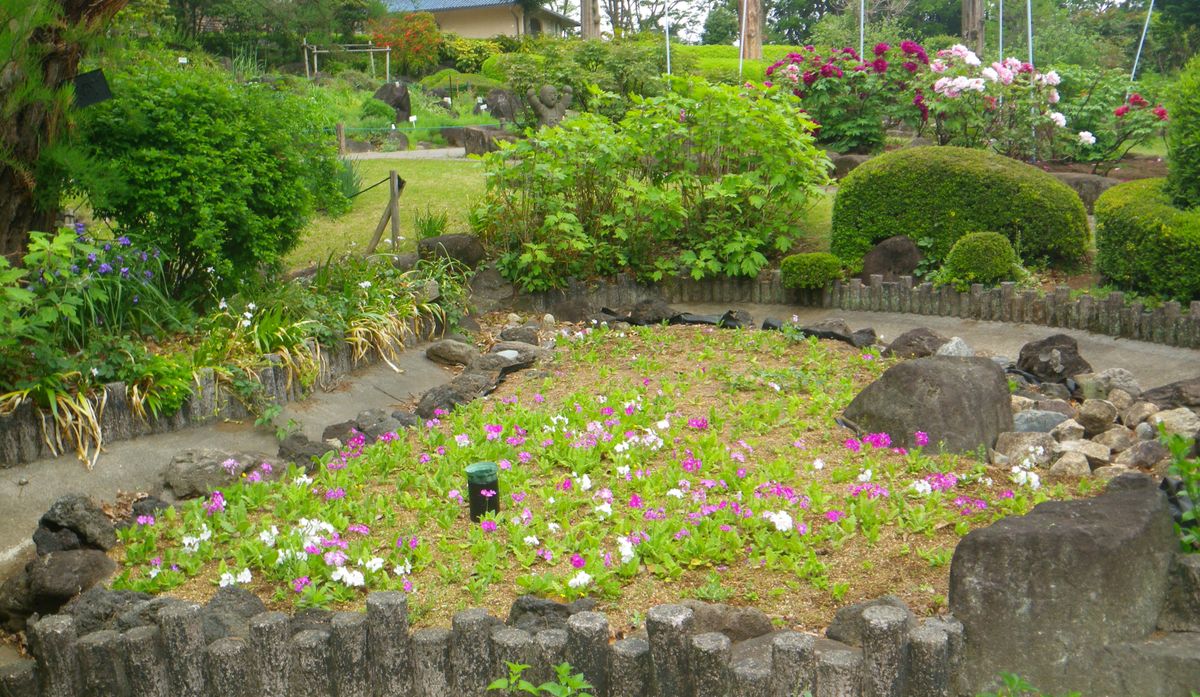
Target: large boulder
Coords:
[(1053, 359), (502, 104), (228, 613), (1038, 595), (395, 95), (98, 608), (489, 290), (463, 248), (915, 343), (463, 389), (451, 352), (480, 140), (1181, 422), (1182, 393), (962, 403), (535, 614), (736, 623), (892, 258), (74, 522), (57, 577)]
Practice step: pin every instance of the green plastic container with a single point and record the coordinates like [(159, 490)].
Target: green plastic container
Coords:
[(481, 477)]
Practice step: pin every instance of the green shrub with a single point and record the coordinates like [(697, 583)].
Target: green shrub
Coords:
[(450, 79), (943, 193), (705, 180), (1146, 244), (814, 270), (376, 112), (980, 257), (222, 177), (469, 54), (1183, 177)]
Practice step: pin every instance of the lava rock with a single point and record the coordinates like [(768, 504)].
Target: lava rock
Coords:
[(406, 419), (525, 352), (1059, 405), (376, 422), (16, 602), (915, 343), (145, 613), (650, 311), (463, 248), (1053, 359), (299, 449), (451, 352), (147, 505), (46, 540), (229, 612), (395, 94), (962, 403), (1055, 391), (534, 614), (892, 258), (489, 290), (524, 334), (57, 577), (463, 389), (98, 608), (340, 432), (82, 517)]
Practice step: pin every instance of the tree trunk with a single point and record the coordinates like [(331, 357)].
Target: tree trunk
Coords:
[(972, 24), (38, 123), (753, 30)]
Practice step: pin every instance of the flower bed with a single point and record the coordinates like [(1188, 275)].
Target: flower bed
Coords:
[(646, 466)]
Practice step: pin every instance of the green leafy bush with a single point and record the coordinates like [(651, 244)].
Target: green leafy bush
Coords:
[(220, 176), (450, 79), (1183, 177), (1146, 244), (944, 193), (706, 180), (980, 257), (813, 270), (468, 54)]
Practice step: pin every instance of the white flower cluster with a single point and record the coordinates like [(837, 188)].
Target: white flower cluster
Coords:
[(782, 520), (580, 580), (349, 576), (191, 544), (228, 579), (1023, 474), (625, 547)]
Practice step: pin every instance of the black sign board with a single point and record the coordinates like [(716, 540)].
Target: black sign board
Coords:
[(91, 88)]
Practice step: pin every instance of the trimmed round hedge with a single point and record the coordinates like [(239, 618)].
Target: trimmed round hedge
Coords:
[(812, 270), (1146, 244), (1183, 178), (981, 257), (943, 193)]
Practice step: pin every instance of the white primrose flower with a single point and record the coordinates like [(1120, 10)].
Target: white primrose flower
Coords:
[(585, 483), (782, 520), (554, 527), (532, 540), (604, 509), (349, 576), (302, 480), (268, 536), (580, 580), (403, 569), (818, 464), (226, 580), (1087, 138), (373, 564), (864, 476), (921, 487), (625, 547), (244, 576), (675, 493)]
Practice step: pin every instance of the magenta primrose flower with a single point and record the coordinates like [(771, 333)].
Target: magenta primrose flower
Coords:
[(852, 444), (878, 440), (578, 561), (487, 493), (921, 438), (488, 526), (216, 503), (299, 584), (334, 494), (359, 528), (145, 520), (834, 515)]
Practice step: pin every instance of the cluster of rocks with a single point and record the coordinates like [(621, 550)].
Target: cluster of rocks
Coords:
[(1062, 417)]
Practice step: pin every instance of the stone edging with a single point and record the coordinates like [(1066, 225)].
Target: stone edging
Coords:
[(1112, 316), (21, 432)]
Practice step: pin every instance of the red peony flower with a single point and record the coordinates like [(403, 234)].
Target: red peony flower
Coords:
[(1121, 110), (1138, 100), (1161, 112)]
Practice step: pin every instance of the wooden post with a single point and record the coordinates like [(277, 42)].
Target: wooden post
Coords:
[(390, 213), (972, 24), (304, 48), (754, 30), (340, 130)]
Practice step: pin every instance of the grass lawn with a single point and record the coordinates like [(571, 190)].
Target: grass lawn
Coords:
[(441, 186), (638, 468)]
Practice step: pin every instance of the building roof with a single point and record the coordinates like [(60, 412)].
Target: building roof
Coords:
[(443, 5)]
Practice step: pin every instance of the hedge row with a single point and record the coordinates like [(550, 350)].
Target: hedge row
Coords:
[(943, 193), (1147, 245)]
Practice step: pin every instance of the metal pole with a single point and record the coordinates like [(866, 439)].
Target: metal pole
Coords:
[(667, 28), (1001, 31), (1029, 22), (862, 29), (388, 61), (1142, 42)]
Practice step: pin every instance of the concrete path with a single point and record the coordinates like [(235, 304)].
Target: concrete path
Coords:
[(430, 154), (134, 465), (1151, 364)]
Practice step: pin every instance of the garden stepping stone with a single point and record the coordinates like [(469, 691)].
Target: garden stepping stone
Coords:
[(1096, 416), (451, 352), (915, 343), (1110, 472), (1053, 359)]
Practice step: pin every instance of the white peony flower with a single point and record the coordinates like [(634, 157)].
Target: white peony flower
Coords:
[(1087, 138), (1058, 119)]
